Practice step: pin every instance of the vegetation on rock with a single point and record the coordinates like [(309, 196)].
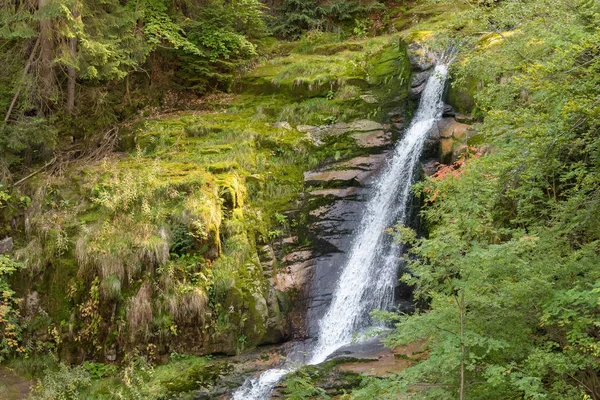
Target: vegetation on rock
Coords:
[(151, 165)]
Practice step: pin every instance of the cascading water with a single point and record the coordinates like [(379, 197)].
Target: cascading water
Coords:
[(368, 278)]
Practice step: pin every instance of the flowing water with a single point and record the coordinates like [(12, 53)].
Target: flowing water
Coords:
[(368, 279)]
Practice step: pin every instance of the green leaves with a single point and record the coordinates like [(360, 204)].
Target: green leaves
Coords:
[(511, 255)]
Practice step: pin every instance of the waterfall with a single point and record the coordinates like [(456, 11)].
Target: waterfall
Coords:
[(369, 276)]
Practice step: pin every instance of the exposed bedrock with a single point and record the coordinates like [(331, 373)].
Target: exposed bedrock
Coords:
[(336, 192)]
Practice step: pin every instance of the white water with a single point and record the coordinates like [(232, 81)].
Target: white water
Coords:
[(368, 278)]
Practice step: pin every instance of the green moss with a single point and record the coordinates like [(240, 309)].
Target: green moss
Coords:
[(461, 95), (223, 166), (205, 186)]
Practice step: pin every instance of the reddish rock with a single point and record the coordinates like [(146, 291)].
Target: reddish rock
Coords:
[(449, 128), (294, 276)]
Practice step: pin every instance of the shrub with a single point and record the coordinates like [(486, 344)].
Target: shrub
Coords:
[(65, 383)]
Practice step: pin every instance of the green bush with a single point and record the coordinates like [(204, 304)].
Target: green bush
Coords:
[(65, 383)]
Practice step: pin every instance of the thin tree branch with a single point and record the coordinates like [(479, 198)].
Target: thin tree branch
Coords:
[(35, 172), (25, 71)]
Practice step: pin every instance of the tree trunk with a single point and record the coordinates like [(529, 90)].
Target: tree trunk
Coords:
[(46, 57), (72, 72)]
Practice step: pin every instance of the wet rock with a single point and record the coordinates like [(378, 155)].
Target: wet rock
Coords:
[(429, 168), (420, 78), (448, 111), (434, 133), (6, 245), (415, 92)]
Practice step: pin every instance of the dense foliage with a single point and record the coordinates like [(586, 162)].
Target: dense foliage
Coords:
[(164, 245), (79, 58), (508, 275)]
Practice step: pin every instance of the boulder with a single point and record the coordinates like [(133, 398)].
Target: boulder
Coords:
[(434, 133), (357, 171), (361, 125), (448, 111), (316, 133), (465, 119), (420, 78), (461, 97), (421, 59), (6, 245), (348, 177), (368, 163), (415, 92), (450, 128)]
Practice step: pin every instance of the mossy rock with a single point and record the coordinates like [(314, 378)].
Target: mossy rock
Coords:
[(334, 48), (462, 97)]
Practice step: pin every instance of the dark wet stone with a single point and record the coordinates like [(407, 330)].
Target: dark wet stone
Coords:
[(420, 78)]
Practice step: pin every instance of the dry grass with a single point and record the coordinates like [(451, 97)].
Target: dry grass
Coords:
[(123, 248), (32, 256), (139, 312), (188, 306)]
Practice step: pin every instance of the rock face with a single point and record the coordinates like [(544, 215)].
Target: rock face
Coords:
[(421, 59), (422, 62), (454, 136), (367, 133), (450, 128), (6, 245), (335, 199)]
